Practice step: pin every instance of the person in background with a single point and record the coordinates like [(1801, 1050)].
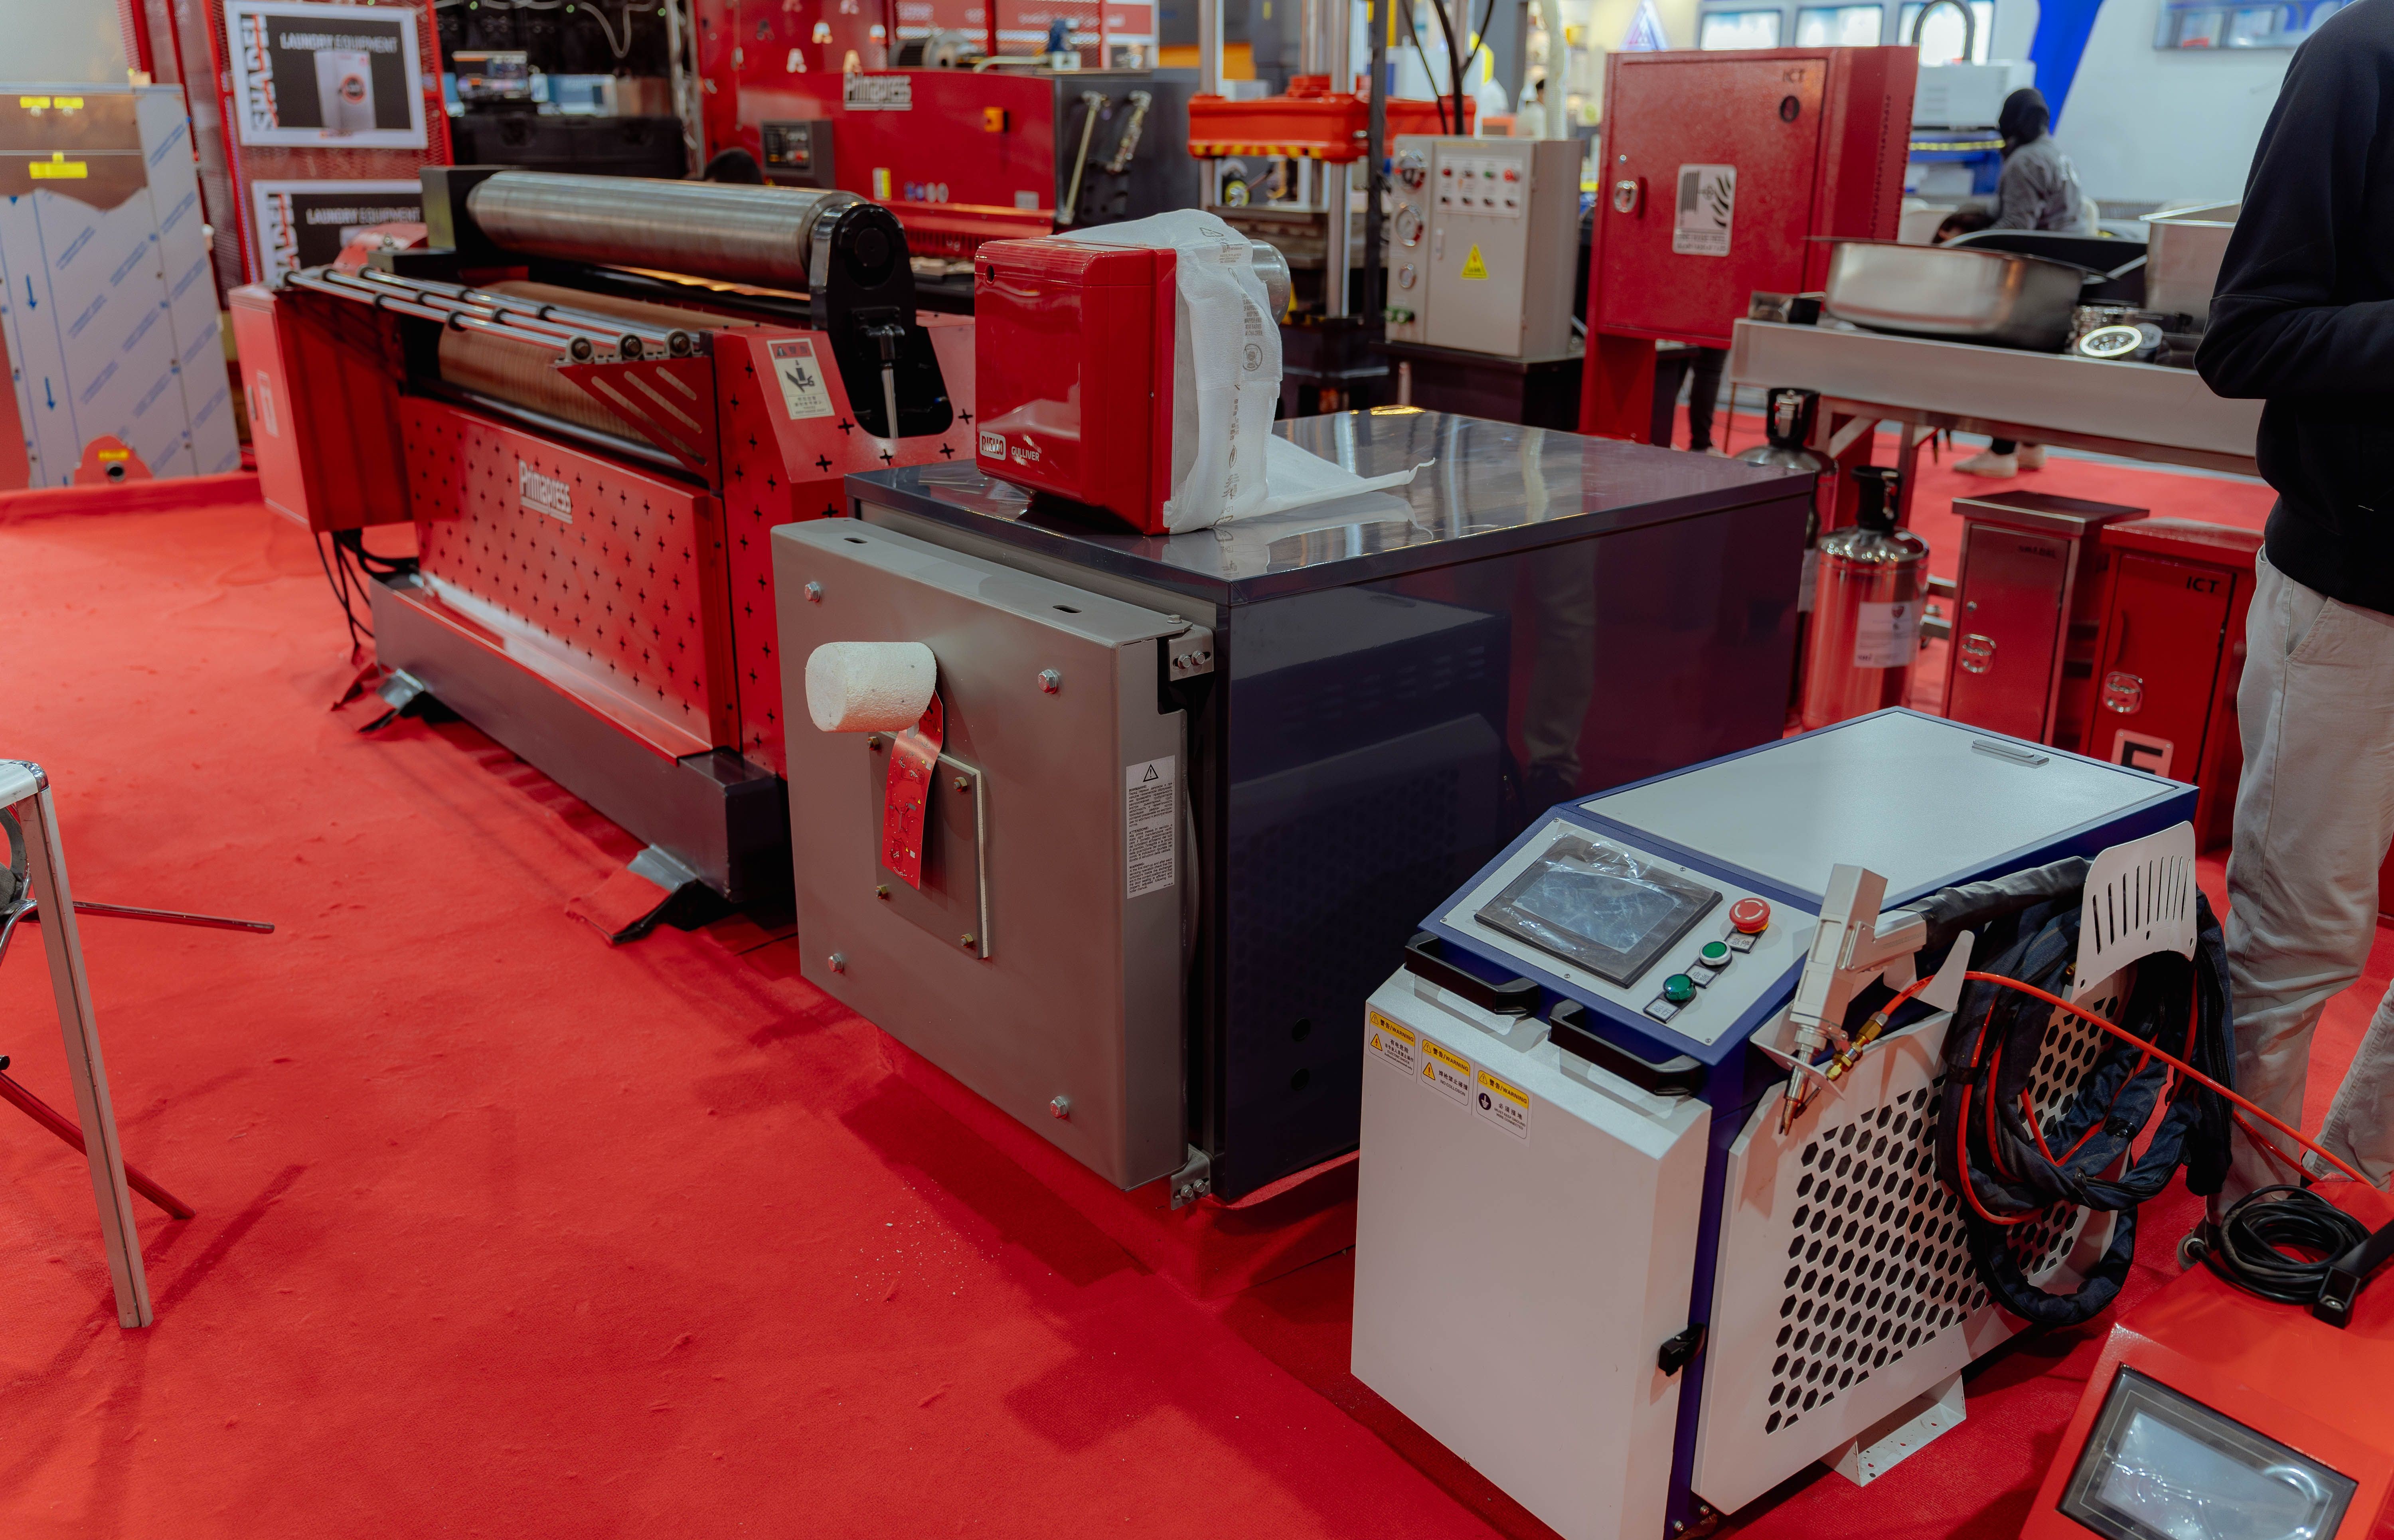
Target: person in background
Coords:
[(1673, 363), (1962, 221), (2303, 318), (2038, 190)]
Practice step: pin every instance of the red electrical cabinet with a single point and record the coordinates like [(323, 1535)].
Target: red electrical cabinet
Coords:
[(2171, 654), (1716, 174)]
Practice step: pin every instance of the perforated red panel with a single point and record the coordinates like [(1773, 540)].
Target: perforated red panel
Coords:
[(604, 565), (780, 469)]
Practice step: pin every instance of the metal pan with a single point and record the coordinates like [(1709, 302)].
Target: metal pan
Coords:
[(1999, 298)]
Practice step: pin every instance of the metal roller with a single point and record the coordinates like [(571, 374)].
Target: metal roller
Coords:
[(503, 371), (753, 234)]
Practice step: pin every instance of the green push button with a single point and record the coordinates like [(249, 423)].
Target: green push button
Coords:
[(1714, 954), (1679, 988)]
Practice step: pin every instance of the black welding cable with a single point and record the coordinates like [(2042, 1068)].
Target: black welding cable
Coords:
[(1436, 98), (2252, 1252), (340, 597), (1454, 57)]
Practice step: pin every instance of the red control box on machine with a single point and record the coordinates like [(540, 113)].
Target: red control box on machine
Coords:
[(1072, 372)]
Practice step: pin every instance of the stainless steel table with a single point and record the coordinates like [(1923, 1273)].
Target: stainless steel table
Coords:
[(2137, 411)]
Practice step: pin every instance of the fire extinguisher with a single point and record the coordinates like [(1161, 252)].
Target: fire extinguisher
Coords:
[(1865, 610)]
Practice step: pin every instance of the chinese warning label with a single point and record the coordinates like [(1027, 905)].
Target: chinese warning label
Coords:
[(1502, 1103), (1450, 1072), (1150, 825), (801, 380), (1391, 1042)]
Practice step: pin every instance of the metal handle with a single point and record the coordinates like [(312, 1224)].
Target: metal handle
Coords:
[(1969, 26), (1681, 1076), (1426, 958)]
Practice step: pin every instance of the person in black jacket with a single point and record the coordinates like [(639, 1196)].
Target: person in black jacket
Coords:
[(2303, 318)]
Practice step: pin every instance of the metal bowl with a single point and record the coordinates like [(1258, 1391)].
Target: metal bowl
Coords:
[(1956, 293)]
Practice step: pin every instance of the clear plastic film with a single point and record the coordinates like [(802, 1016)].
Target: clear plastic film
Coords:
[(1599, 906)]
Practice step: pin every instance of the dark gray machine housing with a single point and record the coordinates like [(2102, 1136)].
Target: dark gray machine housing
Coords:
[(1392, 696)]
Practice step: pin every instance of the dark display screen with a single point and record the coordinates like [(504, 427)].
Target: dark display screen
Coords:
[(1601, 907)]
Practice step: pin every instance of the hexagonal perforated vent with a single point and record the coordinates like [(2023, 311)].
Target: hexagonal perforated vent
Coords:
[(1877, 1259)]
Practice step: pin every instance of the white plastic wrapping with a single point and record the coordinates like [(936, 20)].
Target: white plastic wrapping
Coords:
[(1226, 364)]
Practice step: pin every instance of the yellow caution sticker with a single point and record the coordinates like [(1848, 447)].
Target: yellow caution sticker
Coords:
[(1394, 1043), (34, 104), (1474, 265), (1450, 1072), (59, 169), (1502, 1103)]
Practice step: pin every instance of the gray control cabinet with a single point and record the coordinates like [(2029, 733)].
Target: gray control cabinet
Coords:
[(1483, 244)]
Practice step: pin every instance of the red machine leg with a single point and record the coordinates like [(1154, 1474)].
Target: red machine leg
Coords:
[(1616, 399)]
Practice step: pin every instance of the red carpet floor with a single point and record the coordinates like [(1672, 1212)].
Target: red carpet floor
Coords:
[(504, 1232)]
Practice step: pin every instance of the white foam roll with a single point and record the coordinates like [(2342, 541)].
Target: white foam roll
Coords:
[(870, 685)]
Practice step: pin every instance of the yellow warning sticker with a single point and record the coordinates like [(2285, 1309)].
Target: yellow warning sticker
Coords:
[(1451, 1072), (1474, 266), (59, 169), (1502, 1103), (1394, 1043)]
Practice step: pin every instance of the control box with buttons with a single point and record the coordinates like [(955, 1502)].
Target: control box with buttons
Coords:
[(1482, 243)]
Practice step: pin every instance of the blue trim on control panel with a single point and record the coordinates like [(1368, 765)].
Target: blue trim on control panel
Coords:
[(1638, 1033)]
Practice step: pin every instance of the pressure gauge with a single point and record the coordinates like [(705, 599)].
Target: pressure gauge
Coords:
[(1413, 168), (1409, 227)]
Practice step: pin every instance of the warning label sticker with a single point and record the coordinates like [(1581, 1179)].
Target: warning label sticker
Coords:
[(1502, 1103), (1450, 1072), (1150, 826), (1707, 202), (1391, 1042), (1887, 635), (801, 380), (1474, 265)]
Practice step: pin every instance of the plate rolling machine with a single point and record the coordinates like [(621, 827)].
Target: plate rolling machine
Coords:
[(1190, 793), (1578, 1089), (593, 398)]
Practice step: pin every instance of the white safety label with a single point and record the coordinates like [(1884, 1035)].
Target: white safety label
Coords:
[(860, 92), (1500, 1102), (1706, 203), (1150, 826), (799, 374), (1394, 1044), (1450, 1072), (1887, 635)]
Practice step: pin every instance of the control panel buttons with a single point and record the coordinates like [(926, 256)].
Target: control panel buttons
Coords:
[(1750, 917), (1679, 988), (1714, 954)]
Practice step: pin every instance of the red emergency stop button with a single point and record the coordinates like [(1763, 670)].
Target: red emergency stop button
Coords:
[(1749, 916), (1512, 176)]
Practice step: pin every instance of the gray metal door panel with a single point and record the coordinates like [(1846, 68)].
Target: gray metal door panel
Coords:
[(1079, 994)]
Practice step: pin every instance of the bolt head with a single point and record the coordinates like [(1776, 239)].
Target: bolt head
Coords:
[(1060, 1107), (1050, 681), (838, 963), (814, 593), (963, 784), (882, 892)]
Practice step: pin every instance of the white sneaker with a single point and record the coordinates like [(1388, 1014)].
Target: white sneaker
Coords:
[(2031, 456), (1989, 464)]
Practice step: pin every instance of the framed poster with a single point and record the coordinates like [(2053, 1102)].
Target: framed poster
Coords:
[(305, 224), (330, 76)]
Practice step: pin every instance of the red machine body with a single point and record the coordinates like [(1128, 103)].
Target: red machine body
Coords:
[(324, 411), (1813, 142), (2171, 658), (2315, 1391), (1074, 372)]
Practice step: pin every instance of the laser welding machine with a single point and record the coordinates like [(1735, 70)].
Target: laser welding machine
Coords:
[(1589, 1258)]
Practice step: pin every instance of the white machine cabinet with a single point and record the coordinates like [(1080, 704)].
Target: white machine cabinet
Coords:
[(1484, 244), (1587, 1258)]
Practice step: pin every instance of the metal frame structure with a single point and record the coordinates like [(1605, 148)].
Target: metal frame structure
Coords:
[(25, 790)]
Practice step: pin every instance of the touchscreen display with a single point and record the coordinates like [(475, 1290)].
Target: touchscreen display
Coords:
[(1601, 907)]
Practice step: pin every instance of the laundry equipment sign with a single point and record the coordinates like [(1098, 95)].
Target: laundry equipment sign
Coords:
[(330, 76), (307, 224)]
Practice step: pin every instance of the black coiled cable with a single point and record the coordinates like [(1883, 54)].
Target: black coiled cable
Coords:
[(2250, 1249)]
